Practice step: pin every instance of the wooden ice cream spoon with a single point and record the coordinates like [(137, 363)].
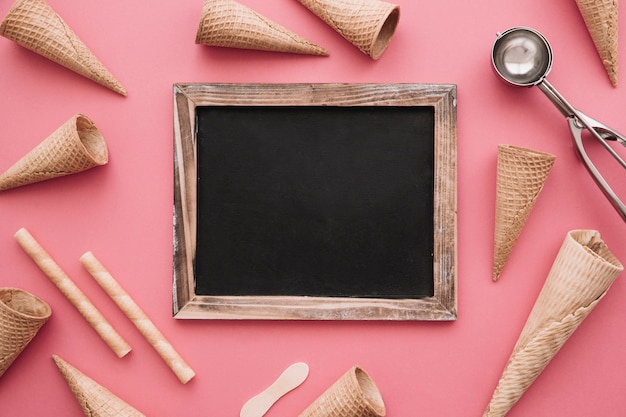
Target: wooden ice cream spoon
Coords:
[(291, 378)]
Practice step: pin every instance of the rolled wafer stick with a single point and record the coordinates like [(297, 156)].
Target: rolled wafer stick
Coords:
[(75, 296), (143, 323)]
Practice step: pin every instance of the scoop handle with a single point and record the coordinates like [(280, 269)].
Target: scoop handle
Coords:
[(291, 378)]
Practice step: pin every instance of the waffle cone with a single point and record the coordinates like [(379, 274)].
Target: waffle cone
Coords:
[(367, 24), (601, 19), (581, 275), (94, 399), (34, 25), (521, 174), (228, 23), (75, 146), (352, 395), (21, 316)]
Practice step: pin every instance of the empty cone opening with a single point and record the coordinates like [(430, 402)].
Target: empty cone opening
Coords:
[(370, 391), (593, 244), (386, 33), (24, 304), (525, 152), (92, 140)]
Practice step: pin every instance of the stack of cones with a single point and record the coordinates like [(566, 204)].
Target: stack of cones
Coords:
[(353, 395), (581, 275), (74, 147), (520, 178), (600, 17), (228, 23), (34, 25), (21, 316), (367, 24), (94, 399)]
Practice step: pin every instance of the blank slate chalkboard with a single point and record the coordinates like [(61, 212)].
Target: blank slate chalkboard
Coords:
[(315, 201)]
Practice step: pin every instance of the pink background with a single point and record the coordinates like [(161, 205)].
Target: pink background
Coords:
[(123, 213)]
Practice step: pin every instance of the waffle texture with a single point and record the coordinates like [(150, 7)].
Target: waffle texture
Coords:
[(601, 19), (582, 273), (228, 23), (33, 24), (353, 395), (74, 147), (521, 174), (94, 399), (367, 24), (21, 316)]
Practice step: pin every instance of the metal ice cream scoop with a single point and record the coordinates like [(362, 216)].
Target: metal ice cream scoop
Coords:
[(523, 58)]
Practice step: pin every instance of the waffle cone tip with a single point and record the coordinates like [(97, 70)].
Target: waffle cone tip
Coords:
[(521, 175), (601, 20), (367, 24), (75, 146), (228, 23), (580, 277), (34, 25), (94, 399)]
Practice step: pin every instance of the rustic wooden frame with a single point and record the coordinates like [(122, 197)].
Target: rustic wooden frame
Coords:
[(441, 306)]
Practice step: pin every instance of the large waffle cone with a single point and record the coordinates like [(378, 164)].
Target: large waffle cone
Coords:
[(34, 25), (521, 174), (367, 24), (21, 316), (75, 146), (581, 275), (600, 17), (94, 399), (353, 395), (228, 23)]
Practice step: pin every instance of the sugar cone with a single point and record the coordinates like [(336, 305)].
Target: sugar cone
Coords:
[(367, 24), (353, 395), (94, 399), (228, 23), (520, 178), (581, 275), (21, 316), (74, 147), (600, 17), (34, 25)]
